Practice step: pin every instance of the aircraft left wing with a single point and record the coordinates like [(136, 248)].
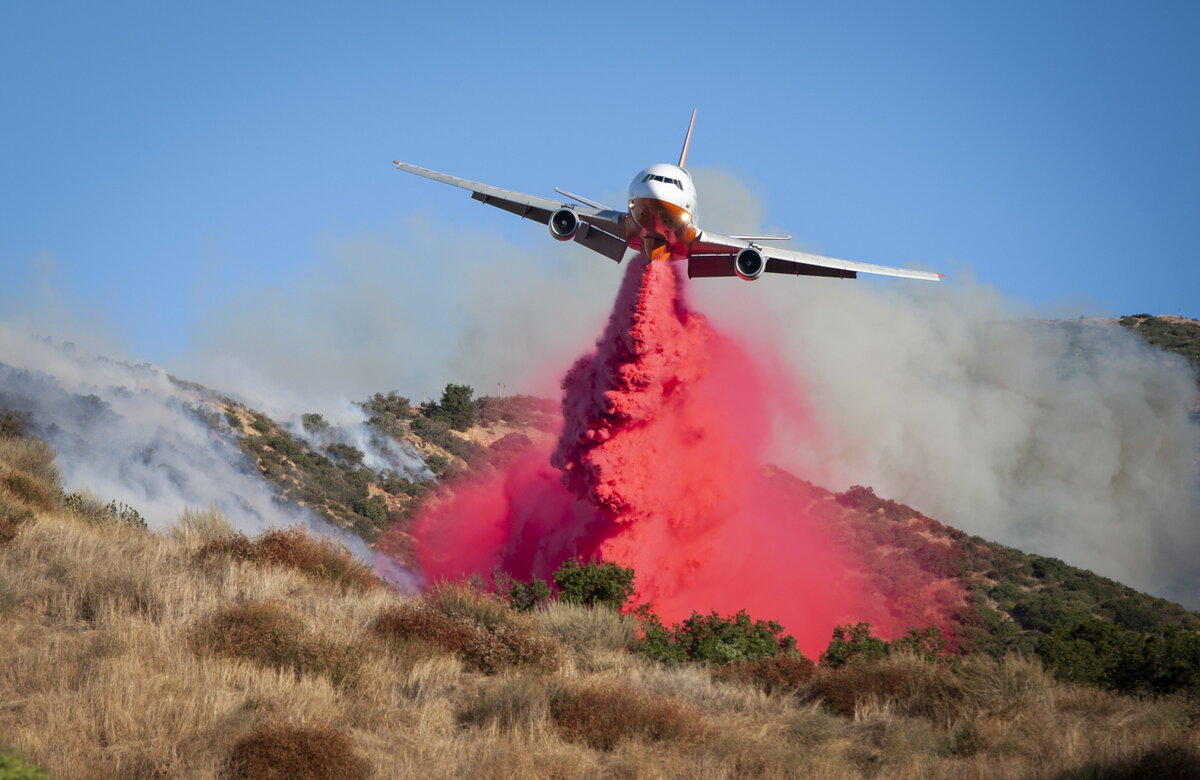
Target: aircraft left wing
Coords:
[(602, 230), (713, 255)]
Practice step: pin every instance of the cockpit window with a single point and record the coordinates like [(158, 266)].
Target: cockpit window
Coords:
[(663, 179)]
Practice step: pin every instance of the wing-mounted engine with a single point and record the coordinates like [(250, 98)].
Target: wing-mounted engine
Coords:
[(749, 264), (564, 224)]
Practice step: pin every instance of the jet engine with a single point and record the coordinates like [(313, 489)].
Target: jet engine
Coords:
[(564, 223), (749, 264)]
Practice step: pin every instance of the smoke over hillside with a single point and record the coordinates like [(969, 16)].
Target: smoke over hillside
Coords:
[(133, 434)]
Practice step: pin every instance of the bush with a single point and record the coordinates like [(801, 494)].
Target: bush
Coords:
[(593, 584), (520, 595), (267, 635), (506, 644), (711, 638), (851, 642), (601, 715), (88, 508), (782, 673), (345, 455), (912, 686), (314, 423), (285, 752), (456, 409), (293, 548)]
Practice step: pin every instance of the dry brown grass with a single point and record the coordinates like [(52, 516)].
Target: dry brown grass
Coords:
[(197, 527), (601, 715), (292, 548), (120, 658)]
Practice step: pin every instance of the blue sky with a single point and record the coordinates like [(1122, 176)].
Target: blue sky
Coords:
[(160, 158)]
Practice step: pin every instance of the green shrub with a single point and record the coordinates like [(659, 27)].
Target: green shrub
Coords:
[(853, 641), (521, 595), (456, 409), (374, 508), (314, 423), (281, 751), (711, 638), (90, 510), (594, 584), (601, 716)]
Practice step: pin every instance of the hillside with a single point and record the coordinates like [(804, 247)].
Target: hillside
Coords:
[(197, 653)]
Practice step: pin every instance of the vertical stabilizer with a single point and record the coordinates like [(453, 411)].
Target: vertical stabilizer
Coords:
[(687, 141)]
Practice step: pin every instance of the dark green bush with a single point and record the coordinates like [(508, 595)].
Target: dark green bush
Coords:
[(851, 642), (711, 638), (594, 584)]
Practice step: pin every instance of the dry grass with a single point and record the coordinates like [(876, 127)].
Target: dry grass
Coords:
[(120, 658), (291, 548), (197, 527)]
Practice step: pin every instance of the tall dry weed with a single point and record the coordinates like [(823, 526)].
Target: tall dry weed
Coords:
[(197, 527), (32, 456), (588, 630)]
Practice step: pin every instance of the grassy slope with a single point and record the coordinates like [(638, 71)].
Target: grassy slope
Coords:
[(129, 654)]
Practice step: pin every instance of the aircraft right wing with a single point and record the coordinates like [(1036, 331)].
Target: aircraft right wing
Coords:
[(713, 255), (602, 230)]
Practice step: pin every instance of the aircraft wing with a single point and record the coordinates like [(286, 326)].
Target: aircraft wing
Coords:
[(713, 253), (602, 229)]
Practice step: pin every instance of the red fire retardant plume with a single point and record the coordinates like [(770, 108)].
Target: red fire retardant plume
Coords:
[(658, 467)]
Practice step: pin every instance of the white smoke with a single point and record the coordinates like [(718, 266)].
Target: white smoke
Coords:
[(1070, 439), (132, 434)]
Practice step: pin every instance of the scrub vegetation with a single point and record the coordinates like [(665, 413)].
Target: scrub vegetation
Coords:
[(202, 652)]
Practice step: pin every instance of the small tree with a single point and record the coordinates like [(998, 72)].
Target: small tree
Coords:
[(594, 584), (457, 407), (854, 641)]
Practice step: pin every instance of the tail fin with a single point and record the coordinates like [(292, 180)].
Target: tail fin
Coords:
[(687, 141)]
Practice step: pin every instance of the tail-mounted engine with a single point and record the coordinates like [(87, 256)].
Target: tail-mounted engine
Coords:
[(564, 224), (749, 264)]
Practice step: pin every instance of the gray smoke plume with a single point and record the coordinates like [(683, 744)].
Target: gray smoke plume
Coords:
[(133, 434), (1064, 438)]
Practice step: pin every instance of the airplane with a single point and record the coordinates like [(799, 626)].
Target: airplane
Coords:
[(661, 223)]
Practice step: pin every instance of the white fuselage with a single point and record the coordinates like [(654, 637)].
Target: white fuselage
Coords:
[(662, 202)]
